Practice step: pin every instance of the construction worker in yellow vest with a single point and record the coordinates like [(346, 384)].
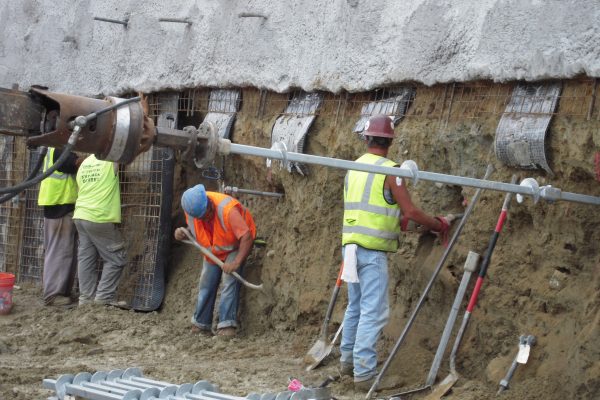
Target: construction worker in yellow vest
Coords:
[(57, 196), (373, 204), (97, 211)]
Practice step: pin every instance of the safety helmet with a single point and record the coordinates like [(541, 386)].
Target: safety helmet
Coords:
[(194, 201), (379, 125)]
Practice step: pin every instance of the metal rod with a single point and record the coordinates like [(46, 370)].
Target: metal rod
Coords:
[(592, 100), (176, 20), (235, 190), (251, 15), (429, 285), (113, 21), (469, 268), (285, 156)]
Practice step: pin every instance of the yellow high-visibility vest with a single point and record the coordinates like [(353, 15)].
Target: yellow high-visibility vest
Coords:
[(58, 188), (369, 220), (99, 198)]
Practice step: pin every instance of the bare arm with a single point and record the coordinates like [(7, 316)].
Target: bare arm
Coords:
[(246, 243), (409, 210)]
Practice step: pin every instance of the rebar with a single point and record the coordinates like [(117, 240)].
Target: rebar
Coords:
[(176, 20), (235, 190), (125, 22)]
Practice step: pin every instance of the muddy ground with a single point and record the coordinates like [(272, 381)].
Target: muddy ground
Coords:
[(544, 278)]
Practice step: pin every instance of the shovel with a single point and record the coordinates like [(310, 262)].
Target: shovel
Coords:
[(322, 347), (449, 381), (214, 259)]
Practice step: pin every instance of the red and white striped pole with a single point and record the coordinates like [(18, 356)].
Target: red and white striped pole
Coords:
[(482, 272)]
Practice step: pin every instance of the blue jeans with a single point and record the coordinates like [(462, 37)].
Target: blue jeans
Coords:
[(207, 295), (367, 313)]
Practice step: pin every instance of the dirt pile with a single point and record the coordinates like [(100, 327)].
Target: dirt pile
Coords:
[(544, 278)]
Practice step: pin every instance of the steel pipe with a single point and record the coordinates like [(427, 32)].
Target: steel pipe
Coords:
[(235, 190), (546, 192), (93, 394)]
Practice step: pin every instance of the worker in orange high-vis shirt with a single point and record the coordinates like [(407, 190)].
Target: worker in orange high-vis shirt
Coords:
[(225, 227)]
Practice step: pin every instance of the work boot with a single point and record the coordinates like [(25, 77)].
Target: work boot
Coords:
[(346, 369), (227, 332), (196, 330), (58, 301), (364, 386), (112, 303)]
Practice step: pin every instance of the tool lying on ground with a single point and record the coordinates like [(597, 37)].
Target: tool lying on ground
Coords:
[(214, 259), (449, 381), (322, 347), (525, 343), (437, 270), (469, 267)]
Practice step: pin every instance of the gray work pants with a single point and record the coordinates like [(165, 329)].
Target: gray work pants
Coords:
[(104, 239), (59, 257)]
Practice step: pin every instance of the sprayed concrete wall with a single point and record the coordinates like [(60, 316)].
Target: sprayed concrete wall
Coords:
[(334, 45)]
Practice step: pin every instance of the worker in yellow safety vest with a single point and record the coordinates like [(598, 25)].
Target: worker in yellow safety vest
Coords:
[(57, 196), (373, 205), (97, 211)]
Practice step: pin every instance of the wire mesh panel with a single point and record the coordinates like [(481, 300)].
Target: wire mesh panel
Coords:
[(11, 172), (393, 103), (290, 129), (146, 199), (521, 133), (31, 261)]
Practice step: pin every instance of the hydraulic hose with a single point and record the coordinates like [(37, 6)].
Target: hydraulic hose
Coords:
[(77, 124), (14, 190), (33, 173)]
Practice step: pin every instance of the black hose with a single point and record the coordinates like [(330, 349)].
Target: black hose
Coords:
[(14, 190), (33, 173)]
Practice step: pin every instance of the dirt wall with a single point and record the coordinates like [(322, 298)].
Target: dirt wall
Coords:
[(543, 279)]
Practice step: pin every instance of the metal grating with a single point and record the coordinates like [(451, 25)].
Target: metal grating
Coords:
[(222, 106), (290, 128), (7, 238), (456, 102), (521, 133), (395, 104), (146, 211), (31, 261)]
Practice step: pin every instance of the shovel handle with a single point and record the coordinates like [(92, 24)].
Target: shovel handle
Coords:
[(336, 290), (338, 282), (214, 258)]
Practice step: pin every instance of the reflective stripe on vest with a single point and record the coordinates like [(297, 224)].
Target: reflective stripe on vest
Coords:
[(58, 188), (223, 241), (369, 220)]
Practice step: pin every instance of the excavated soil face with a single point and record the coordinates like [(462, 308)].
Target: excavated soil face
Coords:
[(543, 279)]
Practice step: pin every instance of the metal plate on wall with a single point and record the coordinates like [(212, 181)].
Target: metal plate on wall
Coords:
[(292, 127), (522, 130), (395, 105), (222, 107)]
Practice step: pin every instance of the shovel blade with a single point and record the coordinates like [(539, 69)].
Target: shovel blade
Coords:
[(445, 385), (317, 353)]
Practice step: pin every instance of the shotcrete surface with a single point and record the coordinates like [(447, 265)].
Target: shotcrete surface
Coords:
[(336, 45)]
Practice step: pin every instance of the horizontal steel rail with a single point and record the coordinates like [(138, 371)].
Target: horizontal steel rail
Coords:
[(546, 192)]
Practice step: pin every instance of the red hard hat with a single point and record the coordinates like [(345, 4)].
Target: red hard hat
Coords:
[(379, 125)]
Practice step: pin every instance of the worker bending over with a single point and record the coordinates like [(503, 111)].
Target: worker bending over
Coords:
[(373, 205), (223, 225)]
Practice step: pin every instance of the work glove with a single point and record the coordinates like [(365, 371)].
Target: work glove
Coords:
[(443, 232)]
